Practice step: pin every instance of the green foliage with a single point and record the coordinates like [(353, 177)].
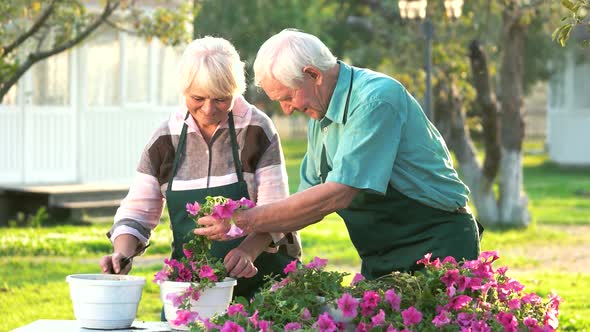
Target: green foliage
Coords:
[(577, 10), (304, 289), (40, 218)]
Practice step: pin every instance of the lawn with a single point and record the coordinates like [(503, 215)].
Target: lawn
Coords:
[(35, 261)]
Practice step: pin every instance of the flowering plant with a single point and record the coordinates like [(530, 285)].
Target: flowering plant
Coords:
[(446, 296), (197, 266)]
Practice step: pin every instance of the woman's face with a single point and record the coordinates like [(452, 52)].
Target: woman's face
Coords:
[(208, 110)]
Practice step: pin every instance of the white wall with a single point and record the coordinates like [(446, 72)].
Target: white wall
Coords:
[(568, 121)]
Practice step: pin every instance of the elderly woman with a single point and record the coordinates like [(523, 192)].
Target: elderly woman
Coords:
[(218, 145)]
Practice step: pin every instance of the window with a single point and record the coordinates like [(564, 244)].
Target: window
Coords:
[(50, 81), (102, 68), (167, 75), (138, 67)]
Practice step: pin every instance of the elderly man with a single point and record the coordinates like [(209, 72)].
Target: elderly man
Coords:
[(372, 156)]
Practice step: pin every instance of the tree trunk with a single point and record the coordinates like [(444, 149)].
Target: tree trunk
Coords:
[(503, 131), (513, 199), (450, 121)]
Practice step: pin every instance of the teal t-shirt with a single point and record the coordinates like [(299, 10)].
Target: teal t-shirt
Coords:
[(385, 139)]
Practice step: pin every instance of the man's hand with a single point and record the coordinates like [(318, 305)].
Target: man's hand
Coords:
[(239, 264), (213, 229)]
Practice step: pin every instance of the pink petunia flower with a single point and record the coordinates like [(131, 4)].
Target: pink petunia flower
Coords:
[(370, 301), (187, 253), (161, 275), (411, 316), (357, 277), (530, 322), (292, 327), (514, 304), (390, 328), (236, 309), (362, 327), (193, 209), (291, 267), (230, 326), (254, 319), (508, 321), (348, 305), (209, 326), (489, 256), (317, 263), (244, 202), (458, 302), (393, 299), (206, 272), (264, 326), (305, 314), (325, 323), (441, 319), (183, 317), (225, 211), (378, 319), (175, 299), (235, 231), (450, 277)]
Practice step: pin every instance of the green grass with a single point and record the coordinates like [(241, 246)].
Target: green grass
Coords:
[(558, 195), (35, 262)]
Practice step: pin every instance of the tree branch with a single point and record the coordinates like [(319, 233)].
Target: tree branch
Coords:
[(36, 57), (34, 28)]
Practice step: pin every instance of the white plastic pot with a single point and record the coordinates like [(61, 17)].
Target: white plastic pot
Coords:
[(105, 301), (212, 301)]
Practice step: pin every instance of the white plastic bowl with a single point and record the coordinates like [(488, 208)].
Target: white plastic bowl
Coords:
[(105, 301)]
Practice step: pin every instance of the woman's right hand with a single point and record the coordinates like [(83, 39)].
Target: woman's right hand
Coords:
[(111, 264)]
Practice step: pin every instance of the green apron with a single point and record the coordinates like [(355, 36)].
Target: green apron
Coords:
[(392, 231), (182, 226)]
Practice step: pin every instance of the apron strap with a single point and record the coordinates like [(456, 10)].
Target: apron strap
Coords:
[(179, 152), (181, 148), (348, 97), (234, 147), (324, 168)]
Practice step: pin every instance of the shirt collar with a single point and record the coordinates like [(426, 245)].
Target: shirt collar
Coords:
[(337, 104)]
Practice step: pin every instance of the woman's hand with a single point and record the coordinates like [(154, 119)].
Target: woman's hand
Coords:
[(213, 229), (111, 264), (239, 264)]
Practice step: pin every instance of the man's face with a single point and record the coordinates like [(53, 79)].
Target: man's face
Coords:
[(303, 99)]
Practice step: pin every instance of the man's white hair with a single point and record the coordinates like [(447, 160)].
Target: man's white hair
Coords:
[(212, 65), (284, 55)]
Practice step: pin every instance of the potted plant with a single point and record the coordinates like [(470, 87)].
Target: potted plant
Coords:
[(446, 296), (197, 286)]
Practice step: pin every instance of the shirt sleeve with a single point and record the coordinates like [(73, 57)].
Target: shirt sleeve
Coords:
[(140, 211), (368, 146)]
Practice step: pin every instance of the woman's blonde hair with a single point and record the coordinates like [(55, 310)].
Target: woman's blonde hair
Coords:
[(212, 65)]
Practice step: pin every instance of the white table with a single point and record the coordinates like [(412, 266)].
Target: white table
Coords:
[(48, 325)]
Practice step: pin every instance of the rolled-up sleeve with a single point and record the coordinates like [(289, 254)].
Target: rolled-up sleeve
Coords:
[(140, 211)]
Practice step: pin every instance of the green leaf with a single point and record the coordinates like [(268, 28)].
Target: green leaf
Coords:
[(568, 4)]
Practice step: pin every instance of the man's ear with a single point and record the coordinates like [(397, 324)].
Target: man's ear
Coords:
[(314, 73)]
